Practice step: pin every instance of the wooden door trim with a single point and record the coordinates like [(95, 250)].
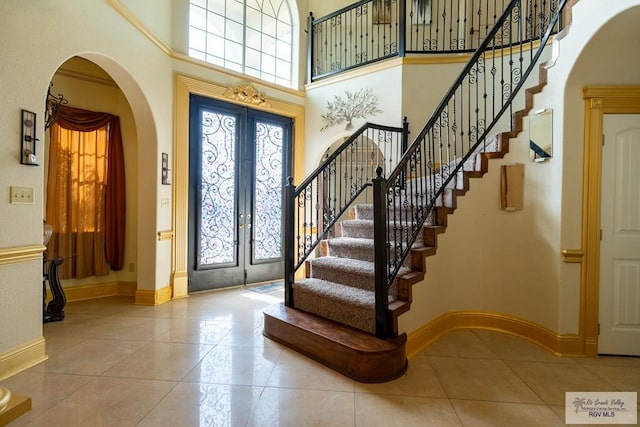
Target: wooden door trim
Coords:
[(599, 101)]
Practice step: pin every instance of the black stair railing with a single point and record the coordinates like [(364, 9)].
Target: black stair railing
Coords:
[(456, 131), (372, 30), (343, 178)]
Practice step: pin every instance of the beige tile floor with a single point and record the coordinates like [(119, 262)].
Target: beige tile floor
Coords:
[(202, 361)]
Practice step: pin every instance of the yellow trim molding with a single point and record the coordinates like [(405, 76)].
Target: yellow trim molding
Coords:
[(357, 72), (561, 345), (572, 255), (420, 59), (22, 358), (151, 297), (180, 284), (598, 102), (98, 290), (21, 254)]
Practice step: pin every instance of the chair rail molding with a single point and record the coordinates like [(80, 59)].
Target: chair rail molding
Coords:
[(21, 254)]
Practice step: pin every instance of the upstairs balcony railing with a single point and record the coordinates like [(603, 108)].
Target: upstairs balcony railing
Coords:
[(372, 30)]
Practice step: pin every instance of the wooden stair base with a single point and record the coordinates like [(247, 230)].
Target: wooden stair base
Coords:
[(352, 352)]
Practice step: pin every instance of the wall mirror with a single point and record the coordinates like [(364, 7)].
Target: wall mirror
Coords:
[(541, 135)]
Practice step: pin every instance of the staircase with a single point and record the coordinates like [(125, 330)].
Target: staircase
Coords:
[(344, 311), (340, 284)]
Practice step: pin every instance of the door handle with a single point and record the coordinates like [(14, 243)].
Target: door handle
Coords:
[(242, 221)]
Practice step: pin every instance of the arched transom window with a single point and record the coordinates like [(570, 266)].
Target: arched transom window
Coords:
[(253, 37)]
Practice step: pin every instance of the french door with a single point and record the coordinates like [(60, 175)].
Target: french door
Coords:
[(238, 162)]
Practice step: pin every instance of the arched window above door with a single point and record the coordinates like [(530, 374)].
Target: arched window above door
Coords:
[(253, 37)]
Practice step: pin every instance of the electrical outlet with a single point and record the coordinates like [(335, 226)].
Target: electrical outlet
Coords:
[(21, 195)]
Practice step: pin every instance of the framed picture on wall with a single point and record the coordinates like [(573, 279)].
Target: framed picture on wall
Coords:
[(382, 11)]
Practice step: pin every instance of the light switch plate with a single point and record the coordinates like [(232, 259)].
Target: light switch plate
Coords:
[(21, 195)]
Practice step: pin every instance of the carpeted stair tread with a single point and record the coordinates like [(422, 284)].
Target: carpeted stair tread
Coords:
[(346, 271), (349, 265), (345, 293), (349, 271), (353, 242), (360, 228), (341, 303), (357, 222), (363, 229), (356, 248), (365, 212), (352, 247), (346, 264)]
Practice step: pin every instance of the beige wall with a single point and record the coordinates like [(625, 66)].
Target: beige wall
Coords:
[(20, 304), (511, 259), (385, 83)]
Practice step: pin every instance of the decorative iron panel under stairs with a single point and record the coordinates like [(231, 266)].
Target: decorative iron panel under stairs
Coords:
[(362, 233)]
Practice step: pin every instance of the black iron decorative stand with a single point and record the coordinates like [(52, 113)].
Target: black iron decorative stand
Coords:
[(54, 311)]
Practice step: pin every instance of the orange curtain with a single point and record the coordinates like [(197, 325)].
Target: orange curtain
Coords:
[(86, 192)]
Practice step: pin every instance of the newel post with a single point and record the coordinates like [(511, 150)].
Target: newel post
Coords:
[(383, 328), (289, 244)]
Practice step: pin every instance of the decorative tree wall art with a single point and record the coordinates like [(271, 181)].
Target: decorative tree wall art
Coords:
[(358, 105)]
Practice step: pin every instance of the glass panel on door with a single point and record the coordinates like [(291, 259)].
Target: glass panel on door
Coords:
[(218, 178), (268, 192)]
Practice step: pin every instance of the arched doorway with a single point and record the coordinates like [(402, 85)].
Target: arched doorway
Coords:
[(97, 83)]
